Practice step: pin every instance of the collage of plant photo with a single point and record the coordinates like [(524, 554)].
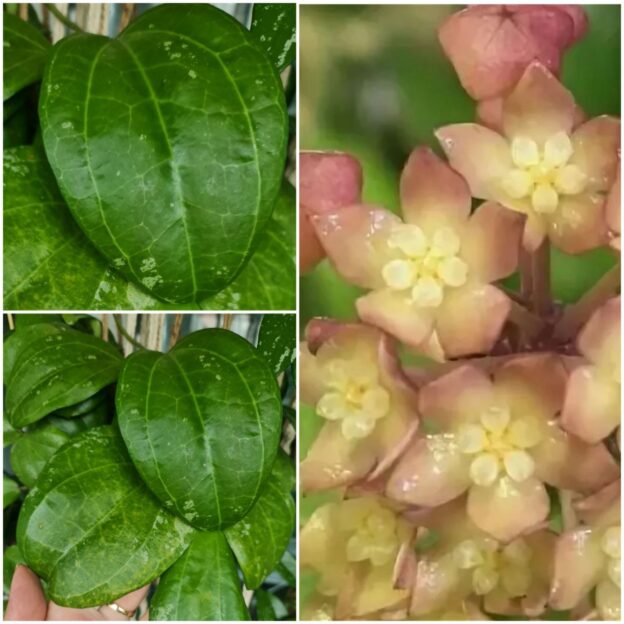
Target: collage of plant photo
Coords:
[(311, 311)]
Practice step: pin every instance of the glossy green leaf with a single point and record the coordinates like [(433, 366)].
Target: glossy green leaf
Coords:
[(11, 559), (32, 451), (287, 568), (268, 282), (60, 367), (218, 395), (261, 537), (91, 528), (9, 434), (83, 407), (48, 262), (101, 415), (25, 53), (10, 491), (274, 26), (202, 585), (265, 611), (277, 340), (168, 144)]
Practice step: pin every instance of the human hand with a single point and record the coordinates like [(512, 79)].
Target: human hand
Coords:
[(27, 602)]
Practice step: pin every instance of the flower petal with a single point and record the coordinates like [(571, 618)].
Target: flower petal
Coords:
[(312, 383), (596, 145), (599, 340), (538, 107), (431, 472), (456, 397), (491, 242), (577, 568), (334, 461), (393, 312), (328, 181), (506, 509), (533, 384), (578, 224), (471, 318), (310, 250), (355, 241), (566, 462), (438, 583), (608, 600), (592, 405), (479, 154), (432, 194), (613, 210), (534, 234), (375, 592)]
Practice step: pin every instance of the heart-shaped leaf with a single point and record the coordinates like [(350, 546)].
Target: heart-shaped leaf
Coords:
[(12, 558), (25, 53), (274, 26), (277, 340), (79, 409), (10, 491), (168, 144), (32, 451), (216, 392), (261, 537), (268, 282), (101, 415), (48, 262), (54, 366), (91, 528), (202, 585)]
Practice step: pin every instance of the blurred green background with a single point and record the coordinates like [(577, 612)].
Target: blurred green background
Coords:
[(375, 83)]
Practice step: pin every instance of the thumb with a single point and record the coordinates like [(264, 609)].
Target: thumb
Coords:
[(26, 599)]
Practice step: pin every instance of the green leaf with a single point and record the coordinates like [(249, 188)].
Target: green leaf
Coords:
[(277, 340), (10, 491), (90, 526), (274, 26), (268, 282), (202, 585), (261, 537), (59, 367), (220, 398), (33, 450), (25, 53), (9, 434), (12, 558), (169, 145), (71, 426), (290, 414), (83, 407), (287, 568), (265, 610), (48, 262)]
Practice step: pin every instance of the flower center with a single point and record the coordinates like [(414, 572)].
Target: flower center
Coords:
[(499, 445), (354, 396), (543, 175), (375, 538), (493, 566), (610, 544), (425, 266)]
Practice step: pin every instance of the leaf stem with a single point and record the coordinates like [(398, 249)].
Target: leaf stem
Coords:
[(175, 330), (540, 269), (529, 323), (62, 18), (122, 330), (577, 314)]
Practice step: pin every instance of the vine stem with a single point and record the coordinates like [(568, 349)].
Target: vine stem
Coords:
[(529, 323), (175, 330), (122, 330), (577, 314), (63, 18)]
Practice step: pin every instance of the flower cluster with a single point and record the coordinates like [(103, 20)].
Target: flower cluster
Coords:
[(484, 482)]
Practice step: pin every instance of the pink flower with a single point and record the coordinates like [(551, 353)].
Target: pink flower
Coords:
[(541, 166), (588, 556), (592, 403), (466, 564), (491, 46), (498, 439), (327, 182), (353, 546), (430, 275), (351, 375)]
